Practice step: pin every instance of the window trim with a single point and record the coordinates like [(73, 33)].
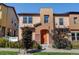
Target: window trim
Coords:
[(27, 21)]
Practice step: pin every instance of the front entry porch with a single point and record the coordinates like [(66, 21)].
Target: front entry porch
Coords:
[(44, 38)]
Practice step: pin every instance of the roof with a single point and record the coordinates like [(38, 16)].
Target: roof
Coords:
[(55, 14), (29, 14)]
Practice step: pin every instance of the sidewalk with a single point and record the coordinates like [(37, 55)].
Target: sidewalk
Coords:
[(61, 50), (9, 49)]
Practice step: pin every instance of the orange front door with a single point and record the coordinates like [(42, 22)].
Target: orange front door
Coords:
[(44, 36)]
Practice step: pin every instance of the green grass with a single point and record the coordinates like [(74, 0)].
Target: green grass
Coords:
[(54, 53), (8, 53)]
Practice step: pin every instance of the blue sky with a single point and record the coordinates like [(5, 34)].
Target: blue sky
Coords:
[(35, 7)]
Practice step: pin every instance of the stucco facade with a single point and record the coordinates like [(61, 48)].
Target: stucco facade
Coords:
[(44, 32), (8, 21)]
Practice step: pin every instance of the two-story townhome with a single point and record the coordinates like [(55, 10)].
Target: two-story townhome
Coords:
[(46, 22), (8, 21)]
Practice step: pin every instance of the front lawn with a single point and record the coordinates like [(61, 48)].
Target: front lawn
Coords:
[(8, 53), (54, 53)]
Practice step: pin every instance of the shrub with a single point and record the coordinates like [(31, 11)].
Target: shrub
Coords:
[(35, 45), (3, 42), (63, 44), (39, 47), (27, 37)]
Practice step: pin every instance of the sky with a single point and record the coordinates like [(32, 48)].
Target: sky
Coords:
[(35, 7)]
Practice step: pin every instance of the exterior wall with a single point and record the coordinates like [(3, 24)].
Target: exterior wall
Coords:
[(48, 26), (12, 20), (35, 20), (8, 15), (71, 22), (65, 22), (0, 7), (0, 14)]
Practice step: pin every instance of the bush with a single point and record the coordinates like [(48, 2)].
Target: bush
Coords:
[(62, 44), (3, 42), (75, 44), (39, 47)]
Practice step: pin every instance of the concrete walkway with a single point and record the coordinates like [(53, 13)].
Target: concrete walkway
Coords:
[(9, 49), (61, 50)]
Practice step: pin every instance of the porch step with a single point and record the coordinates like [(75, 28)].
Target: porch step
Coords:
[(45, 46)]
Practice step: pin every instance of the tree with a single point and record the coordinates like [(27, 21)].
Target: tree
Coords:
[(27, 37)]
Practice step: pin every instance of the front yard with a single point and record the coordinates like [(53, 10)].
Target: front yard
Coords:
[(8, 53), (54, 53)]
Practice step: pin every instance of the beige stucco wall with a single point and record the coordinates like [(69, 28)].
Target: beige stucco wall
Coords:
[(0, 7), (71, 22), (0, 12), (8, 15), (0, 15), (49, 25), (4, 16), (35, 20), (65, 22)]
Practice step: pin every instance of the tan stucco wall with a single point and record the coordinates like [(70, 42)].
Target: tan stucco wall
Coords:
[(49, 25), (71, 22), (35, 20), (7, 16), (0, 7), (0, 15)]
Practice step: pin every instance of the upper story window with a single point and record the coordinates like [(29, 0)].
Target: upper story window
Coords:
[(75, 20), (61, 21), (46, 17), (27, 19), (30, 19)]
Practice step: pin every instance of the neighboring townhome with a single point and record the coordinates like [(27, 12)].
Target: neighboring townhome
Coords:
[(8, 21), (46, 23)]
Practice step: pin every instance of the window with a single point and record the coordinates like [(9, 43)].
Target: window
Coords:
[(46, 17), (27, 19), (75, 20), (73, 36), (30, 19), (61, 21), (77, 36)]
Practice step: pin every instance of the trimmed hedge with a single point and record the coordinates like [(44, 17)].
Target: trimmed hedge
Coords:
[(4, 43), (75, 44)]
